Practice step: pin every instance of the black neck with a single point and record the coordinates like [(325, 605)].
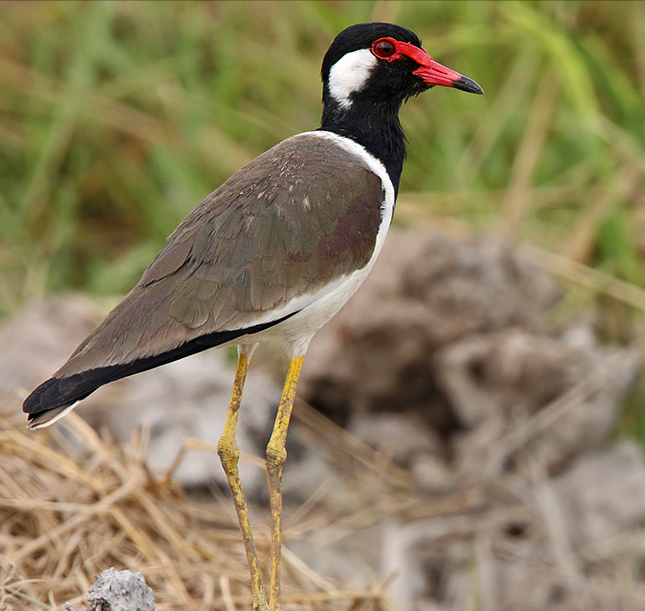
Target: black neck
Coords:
[(375, 126)]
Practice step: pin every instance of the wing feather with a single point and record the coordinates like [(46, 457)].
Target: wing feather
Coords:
[(302, 214)]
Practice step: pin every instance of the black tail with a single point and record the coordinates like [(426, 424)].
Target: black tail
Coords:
[(57, 393)]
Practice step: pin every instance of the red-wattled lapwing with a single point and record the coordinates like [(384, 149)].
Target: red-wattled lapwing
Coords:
[(271, 255)]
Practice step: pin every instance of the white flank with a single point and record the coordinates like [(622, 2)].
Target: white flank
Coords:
[(349, 74)]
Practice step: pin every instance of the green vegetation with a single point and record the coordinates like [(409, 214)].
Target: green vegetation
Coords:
[(118, 117)]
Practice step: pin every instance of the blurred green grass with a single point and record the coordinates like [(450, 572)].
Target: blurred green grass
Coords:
[(118, 117)]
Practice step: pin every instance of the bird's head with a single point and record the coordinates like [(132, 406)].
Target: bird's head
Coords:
[(377, 62)]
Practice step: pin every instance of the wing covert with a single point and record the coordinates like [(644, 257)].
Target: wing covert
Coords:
[(297, 217)]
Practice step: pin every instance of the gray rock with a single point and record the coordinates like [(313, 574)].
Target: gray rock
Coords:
[(604, 493), (426, 291), (120, 591)]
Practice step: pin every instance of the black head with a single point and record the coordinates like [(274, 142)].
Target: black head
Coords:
[(361, 36), (369, 70), (382, 62)]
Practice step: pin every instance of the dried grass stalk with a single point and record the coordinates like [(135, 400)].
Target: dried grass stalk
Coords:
[(73, 504)]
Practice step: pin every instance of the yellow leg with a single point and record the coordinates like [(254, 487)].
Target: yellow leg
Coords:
[(276, 457), (229, 455)]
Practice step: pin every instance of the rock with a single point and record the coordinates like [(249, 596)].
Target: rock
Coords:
[(120, 591), (426, 291), (604, 493), (450, 332), (399, 436), (409, 440), (500, 383)]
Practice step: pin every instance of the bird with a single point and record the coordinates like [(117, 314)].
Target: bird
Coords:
[(270, 256)]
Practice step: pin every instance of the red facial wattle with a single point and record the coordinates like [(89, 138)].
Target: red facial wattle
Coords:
[(430, 71)]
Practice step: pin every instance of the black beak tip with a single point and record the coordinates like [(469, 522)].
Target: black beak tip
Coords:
[(466, 84)]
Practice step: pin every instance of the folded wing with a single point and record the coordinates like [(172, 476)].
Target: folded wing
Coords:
[(251, 254)]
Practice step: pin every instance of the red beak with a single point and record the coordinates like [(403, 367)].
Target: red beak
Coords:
[(432, 72)]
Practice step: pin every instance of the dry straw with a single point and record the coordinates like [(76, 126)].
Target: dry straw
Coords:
[(73, 504)]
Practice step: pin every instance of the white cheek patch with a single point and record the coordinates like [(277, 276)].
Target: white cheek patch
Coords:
[(349, 74)]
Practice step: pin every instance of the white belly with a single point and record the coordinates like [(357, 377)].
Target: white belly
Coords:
[(296, 332)]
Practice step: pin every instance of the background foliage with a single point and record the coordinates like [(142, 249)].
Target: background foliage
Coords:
[(118, 117)]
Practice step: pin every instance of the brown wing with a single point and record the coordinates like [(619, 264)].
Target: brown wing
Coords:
[(303, 213)]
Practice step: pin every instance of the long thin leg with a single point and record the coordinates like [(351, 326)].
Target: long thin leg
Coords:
[(276, 457), (229, 455)]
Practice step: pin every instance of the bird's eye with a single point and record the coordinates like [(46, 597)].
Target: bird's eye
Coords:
[(383, 48)]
